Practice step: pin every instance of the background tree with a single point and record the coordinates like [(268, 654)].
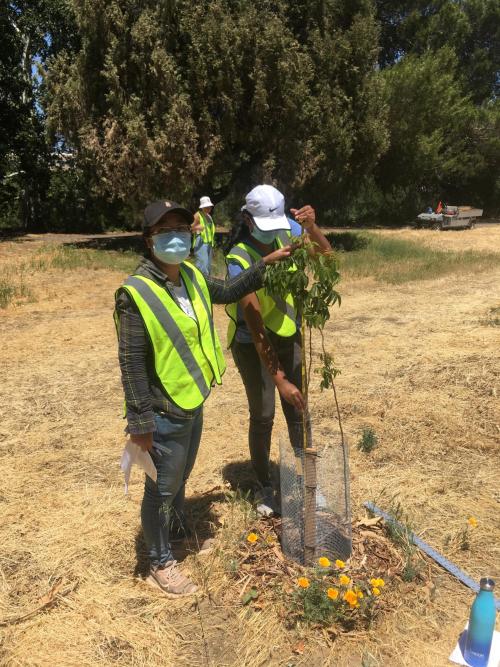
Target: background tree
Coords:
[(440, 64), (218, 95), (369, 108), (431, 126), (470, 27), (31, 32)]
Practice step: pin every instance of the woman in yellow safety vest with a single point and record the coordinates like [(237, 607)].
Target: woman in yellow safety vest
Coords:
[(204, 235), (263, 332), (170, 357)]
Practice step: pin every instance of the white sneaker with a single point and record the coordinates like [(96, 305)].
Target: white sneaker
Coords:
[(266, 505), (321, 503)]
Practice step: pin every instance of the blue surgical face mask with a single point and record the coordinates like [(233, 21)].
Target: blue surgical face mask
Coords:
[(264, 237), (172, 247)]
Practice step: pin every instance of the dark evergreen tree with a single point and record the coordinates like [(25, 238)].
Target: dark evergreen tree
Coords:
[(179, 97)]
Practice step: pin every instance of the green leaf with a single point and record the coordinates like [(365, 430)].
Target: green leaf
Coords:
[(250, 595)]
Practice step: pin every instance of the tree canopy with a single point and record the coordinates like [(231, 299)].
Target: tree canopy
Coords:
[(368, 109)]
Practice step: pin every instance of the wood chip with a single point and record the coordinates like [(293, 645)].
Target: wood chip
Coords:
[(299, 648), (367, 523)]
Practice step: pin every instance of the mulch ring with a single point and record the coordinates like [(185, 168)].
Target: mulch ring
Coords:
[(264, 576)]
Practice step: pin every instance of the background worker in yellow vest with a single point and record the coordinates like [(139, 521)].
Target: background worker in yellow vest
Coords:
[(263, 332), (170, 357), (204, 239)]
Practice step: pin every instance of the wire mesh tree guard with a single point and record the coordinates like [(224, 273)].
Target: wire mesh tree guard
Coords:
[(314, 476)]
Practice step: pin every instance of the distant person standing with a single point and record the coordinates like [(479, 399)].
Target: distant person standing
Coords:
[(204, 239)]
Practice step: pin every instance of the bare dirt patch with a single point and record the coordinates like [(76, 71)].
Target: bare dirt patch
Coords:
[(419, 365)]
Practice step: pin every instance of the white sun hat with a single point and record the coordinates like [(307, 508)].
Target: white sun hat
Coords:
[(267, 207), (205, 202)]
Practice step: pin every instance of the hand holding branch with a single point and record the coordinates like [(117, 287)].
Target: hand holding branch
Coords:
[(305, 216)]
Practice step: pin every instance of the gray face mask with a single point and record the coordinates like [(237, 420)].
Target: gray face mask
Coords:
[(264, 237)]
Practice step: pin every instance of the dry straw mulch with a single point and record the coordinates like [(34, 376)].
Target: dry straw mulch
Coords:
[(420, 365)]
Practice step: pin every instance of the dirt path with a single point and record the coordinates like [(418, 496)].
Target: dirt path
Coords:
[(419, 364)]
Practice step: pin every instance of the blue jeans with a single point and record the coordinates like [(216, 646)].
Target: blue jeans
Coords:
[(175, 446), (203, 253)]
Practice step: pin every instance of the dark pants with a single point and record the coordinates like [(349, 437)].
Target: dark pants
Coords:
[(260, 390)]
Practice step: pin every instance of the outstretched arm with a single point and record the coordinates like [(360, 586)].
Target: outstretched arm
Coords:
[(233, 289)]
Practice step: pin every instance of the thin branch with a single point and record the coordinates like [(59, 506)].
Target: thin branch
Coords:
[(310, 358)]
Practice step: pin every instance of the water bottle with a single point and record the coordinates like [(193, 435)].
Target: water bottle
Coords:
[(481, 626)]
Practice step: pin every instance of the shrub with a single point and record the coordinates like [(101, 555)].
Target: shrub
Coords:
[(368, 440), (347, 241)]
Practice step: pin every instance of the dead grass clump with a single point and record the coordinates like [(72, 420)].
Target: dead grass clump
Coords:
[(492, 318)]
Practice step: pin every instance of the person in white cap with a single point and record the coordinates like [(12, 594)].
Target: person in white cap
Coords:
[(263, 333), (204, 236)]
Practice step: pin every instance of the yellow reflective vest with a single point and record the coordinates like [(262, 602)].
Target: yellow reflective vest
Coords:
[(208, 231), (188, 356), (278, 314)]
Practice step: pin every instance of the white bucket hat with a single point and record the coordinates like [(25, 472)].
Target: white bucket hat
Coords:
[(205, 202), (267, 207)]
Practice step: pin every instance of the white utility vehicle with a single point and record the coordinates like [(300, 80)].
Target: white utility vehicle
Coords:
[(452, 217)]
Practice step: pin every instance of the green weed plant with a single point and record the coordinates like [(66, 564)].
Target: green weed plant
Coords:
[(400, 532), (368, 440)]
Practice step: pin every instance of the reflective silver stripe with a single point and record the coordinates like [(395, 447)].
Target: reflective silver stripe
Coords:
[(208, 310), (208, 231), (284, 237), (284, 307), (281, 304), (172, 330), (242, 254)]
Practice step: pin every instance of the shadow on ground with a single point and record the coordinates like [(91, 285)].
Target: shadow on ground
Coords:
[(201, 519), (240, 475), (125, 242)]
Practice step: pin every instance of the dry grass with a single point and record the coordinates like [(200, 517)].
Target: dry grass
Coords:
[(420, 366), (389, 259)]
